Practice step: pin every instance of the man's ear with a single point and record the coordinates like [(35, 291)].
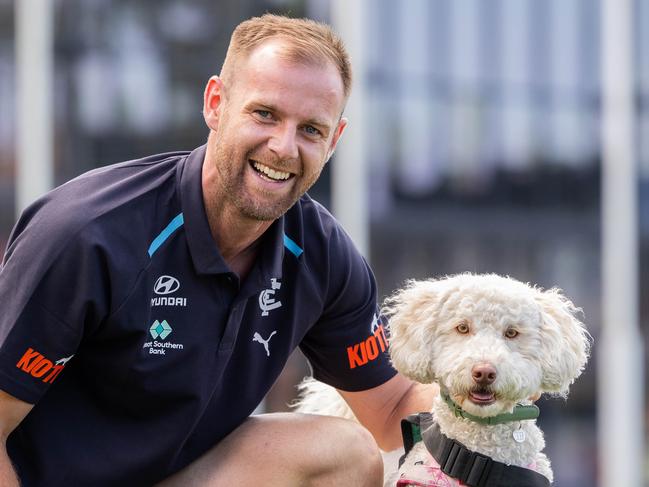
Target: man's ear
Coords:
[(212, 100), (340, 128)]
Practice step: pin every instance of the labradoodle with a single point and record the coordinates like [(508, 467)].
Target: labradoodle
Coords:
[(493, 345)]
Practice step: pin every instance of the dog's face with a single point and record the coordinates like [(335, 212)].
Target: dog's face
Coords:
[(491, 341)]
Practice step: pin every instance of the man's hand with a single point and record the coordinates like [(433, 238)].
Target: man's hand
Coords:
[(12, 412)]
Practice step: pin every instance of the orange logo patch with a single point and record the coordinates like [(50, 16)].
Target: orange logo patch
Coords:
[(36, 365), (367, 350)]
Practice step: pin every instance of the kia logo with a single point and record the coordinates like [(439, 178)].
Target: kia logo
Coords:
[(166, 285)]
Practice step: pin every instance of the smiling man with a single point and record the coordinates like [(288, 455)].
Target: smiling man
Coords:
[(149, 306)]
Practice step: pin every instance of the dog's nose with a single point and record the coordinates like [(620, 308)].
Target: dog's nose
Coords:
[(483, 374)]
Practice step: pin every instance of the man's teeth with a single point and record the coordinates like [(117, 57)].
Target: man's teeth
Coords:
[(271, 173)]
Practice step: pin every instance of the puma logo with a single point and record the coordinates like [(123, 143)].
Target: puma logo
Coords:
[(258, 338)]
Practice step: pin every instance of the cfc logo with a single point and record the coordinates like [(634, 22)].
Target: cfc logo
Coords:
[(367, 350), (36, 365), (267, 302)]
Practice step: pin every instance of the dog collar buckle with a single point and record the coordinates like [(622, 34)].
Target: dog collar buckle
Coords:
[(457, 410)]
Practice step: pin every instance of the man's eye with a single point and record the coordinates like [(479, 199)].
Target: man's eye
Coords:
[(311, 130), (263, 113)]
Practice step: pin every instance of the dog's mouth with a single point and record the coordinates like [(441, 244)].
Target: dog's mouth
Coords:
[(482, 397)]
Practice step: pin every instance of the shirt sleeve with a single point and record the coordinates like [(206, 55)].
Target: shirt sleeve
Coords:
[(348, 347), (49, 296)]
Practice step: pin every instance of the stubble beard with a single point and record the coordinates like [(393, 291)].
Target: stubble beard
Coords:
[(262, 207)]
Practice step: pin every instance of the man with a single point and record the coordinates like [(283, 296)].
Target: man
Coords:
[(150, 305)]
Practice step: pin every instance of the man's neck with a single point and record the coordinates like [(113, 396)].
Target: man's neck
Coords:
[(236, 237)]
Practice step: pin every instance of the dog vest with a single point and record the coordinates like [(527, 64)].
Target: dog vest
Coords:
[(456, 461)]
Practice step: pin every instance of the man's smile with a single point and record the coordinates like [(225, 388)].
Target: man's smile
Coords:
[(269, 173)]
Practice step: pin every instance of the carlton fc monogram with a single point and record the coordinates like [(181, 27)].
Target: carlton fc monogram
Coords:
[(267, 301)]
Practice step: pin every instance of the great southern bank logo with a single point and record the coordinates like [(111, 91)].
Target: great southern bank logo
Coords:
[(163, 286), (159, 331)]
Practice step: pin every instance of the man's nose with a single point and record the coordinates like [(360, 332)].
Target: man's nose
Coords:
[(283, 142)]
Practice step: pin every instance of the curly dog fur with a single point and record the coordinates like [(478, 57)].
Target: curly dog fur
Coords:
[(458, 330)]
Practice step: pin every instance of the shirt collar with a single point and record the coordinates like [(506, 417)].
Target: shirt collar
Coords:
[(271, 255), (205, 254)]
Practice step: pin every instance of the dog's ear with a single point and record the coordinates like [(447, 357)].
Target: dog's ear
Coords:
[(565, 343), (410, 311)]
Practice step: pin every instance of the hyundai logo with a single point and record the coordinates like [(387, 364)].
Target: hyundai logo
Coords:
[(166, 285)]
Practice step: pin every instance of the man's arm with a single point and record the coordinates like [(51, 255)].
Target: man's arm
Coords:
[(382, 408), (12, 412)]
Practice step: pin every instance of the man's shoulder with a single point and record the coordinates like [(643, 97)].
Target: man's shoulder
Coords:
[(138, 164), (314, 217), (323, 236), (100, 203), (109, 188), (123, 179)]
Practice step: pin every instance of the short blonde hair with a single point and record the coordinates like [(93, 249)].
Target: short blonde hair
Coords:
[(307, 41)]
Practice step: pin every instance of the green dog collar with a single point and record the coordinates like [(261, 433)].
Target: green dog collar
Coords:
[(521, 412)]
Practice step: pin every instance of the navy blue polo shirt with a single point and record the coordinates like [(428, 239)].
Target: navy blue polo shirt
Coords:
[(140, 348)]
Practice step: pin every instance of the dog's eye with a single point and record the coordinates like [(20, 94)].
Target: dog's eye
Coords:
[(462, 328), (511, 333)]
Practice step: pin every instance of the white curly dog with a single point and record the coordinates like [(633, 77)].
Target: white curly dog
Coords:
[(494, 345)]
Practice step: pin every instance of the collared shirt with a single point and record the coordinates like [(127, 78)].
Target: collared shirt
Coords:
[(140, 348)]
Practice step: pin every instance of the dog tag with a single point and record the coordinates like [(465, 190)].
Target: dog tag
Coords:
[(519, 436)]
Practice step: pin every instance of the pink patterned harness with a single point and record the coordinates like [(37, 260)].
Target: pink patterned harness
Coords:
[(426, 473)]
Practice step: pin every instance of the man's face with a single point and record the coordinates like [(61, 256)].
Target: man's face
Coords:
[(275, 125)]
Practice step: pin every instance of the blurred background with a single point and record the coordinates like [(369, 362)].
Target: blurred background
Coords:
[(481, 130)]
